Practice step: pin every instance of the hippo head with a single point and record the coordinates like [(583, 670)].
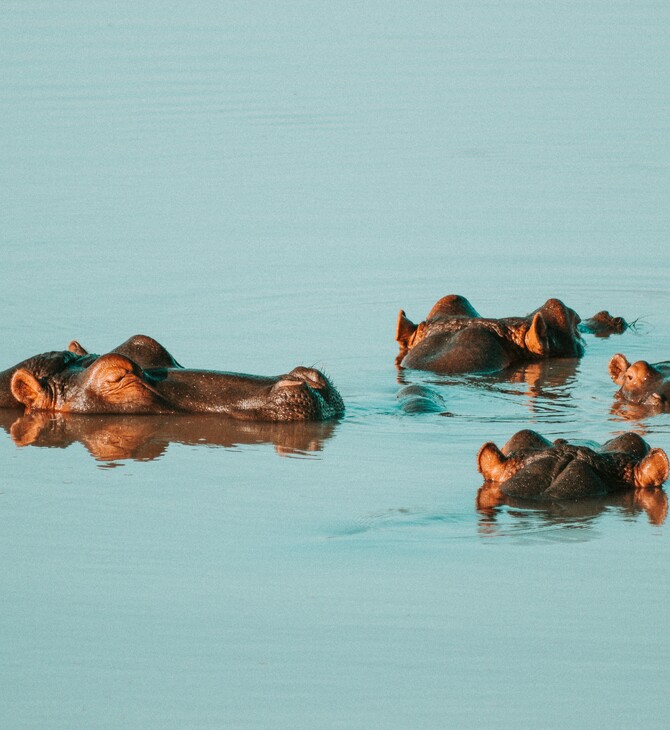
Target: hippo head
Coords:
[(113, 383), (641, 383), (409, 334), (553, 331), (530, 466), (603, 324), (110, 384)]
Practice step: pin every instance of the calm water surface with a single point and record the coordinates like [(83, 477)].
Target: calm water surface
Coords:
[(265, 185)]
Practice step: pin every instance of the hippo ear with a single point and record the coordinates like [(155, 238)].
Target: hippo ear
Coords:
[(617, 368), (491, 462), (536, 338), (117, 380), (405, 328), (652, 471), (75, 347), (26, 388)]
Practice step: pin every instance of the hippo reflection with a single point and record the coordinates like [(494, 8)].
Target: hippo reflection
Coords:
[(143, 438), (540, 383), (642, 383), (454, 338), (567, 513), (532, 467), (141, 377)]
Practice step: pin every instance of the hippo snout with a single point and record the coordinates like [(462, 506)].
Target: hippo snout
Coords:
[(304, 394)]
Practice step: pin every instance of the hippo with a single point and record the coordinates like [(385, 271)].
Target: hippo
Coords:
[(454, 338), (603, 324), (530, 466), (144, 351), (75, 381), (642, 383), (416, 398), (143, 438)]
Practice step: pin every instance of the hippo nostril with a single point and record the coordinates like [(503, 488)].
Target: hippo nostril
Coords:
[(288, 384), (314, 379), (309, 376)]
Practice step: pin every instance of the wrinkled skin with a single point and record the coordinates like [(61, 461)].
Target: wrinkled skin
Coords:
[(454, 338), (74, 381), (642, 383), (531, 467), (603, 324), (143, 350), (143, 438)]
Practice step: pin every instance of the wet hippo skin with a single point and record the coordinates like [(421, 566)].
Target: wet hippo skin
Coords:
[(603, 324), (530, 466), (642, 383), (75, 381), (454, 338)]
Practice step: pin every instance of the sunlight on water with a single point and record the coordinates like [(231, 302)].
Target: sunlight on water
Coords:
[(259, 187)]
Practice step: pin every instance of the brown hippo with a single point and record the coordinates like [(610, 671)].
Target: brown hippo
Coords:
[(531, 467), (454, 338), (603, 324), (74, 382), (144, 351), (642, 383), (416, 398)]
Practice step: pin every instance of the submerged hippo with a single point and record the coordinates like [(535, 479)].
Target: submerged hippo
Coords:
[(642, 383), (416, 398), (454, 338), (77, 382), (531, 467), (603, 324)]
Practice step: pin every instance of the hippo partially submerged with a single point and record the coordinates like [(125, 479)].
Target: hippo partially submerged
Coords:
[(141, 377), (642, 383), (531, 467), (454, 338), (603, 324)]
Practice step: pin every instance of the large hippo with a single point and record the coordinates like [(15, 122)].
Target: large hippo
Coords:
[(454, 338), (77, 382), (530, 466), (642, 383)]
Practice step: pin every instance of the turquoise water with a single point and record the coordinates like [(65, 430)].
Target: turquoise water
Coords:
[(264, 185)]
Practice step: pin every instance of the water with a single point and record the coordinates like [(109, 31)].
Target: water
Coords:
[(264, 186)]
